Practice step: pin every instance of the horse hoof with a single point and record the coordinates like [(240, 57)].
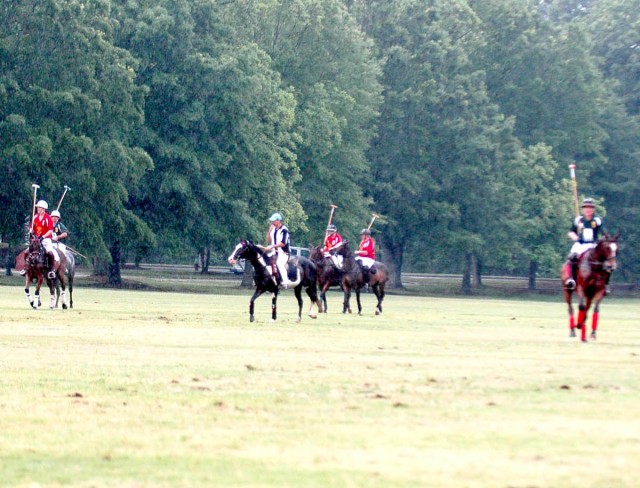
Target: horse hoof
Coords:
[(593, 336), (298, 320), (313, 316), (252, 319), (572, 333), (64, 306)]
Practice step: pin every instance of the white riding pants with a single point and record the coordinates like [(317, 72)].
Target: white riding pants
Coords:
[(281, 262), (48, 246), (579, 248), (368, 262)]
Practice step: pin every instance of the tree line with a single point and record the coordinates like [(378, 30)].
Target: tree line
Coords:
[(180, 125)]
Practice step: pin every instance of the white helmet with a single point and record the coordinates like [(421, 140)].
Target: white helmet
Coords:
[(55, 213), (275, 216), (42, 204)]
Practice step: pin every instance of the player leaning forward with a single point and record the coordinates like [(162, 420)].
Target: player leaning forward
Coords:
[(42, 227), (585, 232)]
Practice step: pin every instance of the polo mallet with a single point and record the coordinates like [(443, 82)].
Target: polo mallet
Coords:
[(75, 252), (572, 172), (33, 210), (375, 216), (333, 208), (66, 189)]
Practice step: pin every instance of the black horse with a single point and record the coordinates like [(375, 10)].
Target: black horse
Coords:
[(37, 269), (355, 277), (305, 271), (328, 274), (594, 267)]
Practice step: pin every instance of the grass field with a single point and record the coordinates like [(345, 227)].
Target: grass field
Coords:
[(148, 389)]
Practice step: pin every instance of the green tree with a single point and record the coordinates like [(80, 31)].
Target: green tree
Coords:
[(326, 61), (70, 95), (218, 125)]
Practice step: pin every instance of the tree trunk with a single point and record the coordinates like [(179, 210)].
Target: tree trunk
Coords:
[(114, 268), (477, 272), (205, 256), (8, 259), (394, 253), (247, 276), (466, 276), (533, 271)]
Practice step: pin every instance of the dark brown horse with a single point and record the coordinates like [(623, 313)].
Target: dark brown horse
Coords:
[(328, 274), (304, 269), (355, 277), (37, 270), (593, 269)]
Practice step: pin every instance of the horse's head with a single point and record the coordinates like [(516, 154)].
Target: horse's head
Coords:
[(606, 252), (244, 250), (344, 250), (316, 253), (36, 249)]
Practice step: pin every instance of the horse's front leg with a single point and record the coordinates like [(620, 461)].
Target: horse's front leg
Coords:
[(26, 291), (596, 314), (583, 308), (252, 303), (36, 299), (347, 297), (274, 308), (358, 301), (312, 292), (323, 296)]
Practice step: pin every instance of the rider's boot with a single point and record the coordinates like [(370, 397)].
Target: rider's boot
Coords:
[(373, 269), (607, 288), (570, 283), (274, 273)]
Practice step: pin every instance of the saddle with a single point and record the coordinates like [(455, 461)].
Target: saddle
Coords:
[(291, 267)]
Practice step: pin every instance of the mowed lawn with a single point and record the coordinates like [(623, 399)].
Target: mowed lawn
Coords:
[(147, 389)]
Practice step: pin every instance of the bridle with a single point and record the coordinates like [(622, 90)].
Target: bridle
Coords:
[(606, 258)]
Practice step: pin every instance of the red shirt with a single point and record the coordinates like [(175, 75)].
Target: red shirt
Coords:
[(369, 247), (332, 240), (42, 225)]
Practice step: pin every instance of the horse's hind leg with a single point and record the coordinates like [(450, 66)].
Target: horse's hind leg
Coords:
[(298, 293), (358, 301)]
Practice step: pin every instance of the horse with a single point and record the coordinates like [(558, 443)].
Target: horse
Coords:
[(70, 275), (306, 276), (593, 269), (328, 274), (36, 269), (355, 276)]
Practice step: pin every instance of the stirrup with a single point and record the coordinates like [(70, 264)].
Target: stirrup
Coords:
[(570, 284), (22, 272), (51, 275)]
